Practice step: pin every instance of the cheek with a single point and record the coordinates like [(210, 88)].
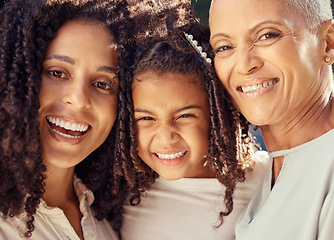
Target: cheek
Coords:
[(112, 114), (108, 112), (143, 139), (221, 71), (200, 137), (48, 94)]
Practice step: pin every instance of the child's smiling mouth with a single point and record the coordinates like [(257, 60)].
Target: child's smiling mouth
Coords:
[(170, 156)]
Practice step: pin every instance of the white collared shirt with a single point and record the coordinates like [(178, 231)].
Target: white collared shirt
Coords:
[(51, 222)]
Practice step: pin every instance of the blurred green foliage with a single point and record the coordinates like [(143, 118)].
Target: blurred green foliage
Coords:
[(202, 9)]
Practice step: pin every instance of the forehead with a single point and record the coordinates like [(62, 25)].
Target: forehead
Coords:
[(238, 14), (162, 78), (258, 5), (85, 30), (82, 40), (166, 92)]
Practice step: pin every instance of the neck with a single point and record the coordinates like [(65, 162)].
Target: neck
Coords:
[(306, 125), (59, 187), (59, 192)]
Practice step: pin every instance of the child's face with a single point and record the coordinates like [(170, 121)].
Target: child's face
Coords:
[(78, 95), (172, 123)]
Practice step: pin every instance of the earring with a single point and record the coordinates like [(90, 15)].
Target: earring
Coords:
[(327, 59)]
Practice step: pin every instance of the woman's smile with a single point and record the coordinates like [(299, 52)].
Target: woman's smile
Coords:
[(65, 130)]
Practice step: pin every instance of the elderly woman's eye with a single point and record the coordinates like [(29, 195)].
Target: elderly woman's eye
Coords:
[(270, 35)]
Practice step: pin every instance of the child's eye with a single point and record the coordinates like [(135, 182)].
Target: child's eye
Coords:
[(145, 119), (187, 115), (57, 74), (186, 118)]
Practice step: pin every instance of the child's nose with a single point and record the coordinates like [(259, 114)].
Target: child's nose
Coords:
[(167, 133)]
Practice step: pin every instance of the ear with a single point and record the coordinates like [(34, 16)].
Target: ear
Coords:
[(327, 31)]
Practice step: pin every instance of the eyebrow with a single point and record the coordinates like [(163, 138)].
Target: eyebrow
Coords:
[(61, 58), (71, 61), (107, 69), (189, 107), (219, 35), (250, 30), (139, 110), (263, 23)]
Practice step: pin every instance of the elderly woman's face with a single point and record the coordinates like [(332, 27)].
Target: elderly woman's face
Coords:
[(266, 58), (78, 96)]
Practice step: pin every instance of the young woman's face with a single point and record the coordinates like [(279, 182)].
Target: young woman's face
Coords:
[(78, 96), (267, 59), (172, 123)]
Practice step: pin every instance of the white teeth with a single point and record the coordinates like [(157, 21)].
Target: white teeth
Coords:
[(170, 156), (65, 135), (67, 125), (257, 87)]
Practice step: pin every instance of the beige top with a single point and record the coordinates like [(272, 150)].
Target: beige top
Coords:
[(188, 208), (51, 223)]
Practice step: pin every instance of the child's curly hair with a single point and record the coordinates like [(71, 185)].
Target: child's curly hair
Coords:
[(158, 44), (26, 29)]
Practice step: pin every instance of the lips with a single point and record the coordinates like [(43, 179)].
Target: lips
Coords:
[(257, 87), (67, 129)]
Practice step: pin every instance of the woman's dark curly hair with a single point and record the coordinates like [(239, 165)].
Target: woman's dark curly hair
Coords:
[(26, 29), (158, 44)]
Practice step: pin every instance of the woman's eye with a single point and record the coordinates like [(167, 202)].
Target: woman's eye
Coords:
[(57, 74), (269, 37), (102, 85), (224, 51)]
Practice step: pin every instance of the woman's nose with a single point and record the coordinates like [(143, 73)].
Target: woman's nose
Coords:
[(247, 60), (76, 94)]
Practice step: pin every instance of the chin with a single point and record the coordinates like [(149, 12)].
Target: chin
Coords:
[(170, 178)]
